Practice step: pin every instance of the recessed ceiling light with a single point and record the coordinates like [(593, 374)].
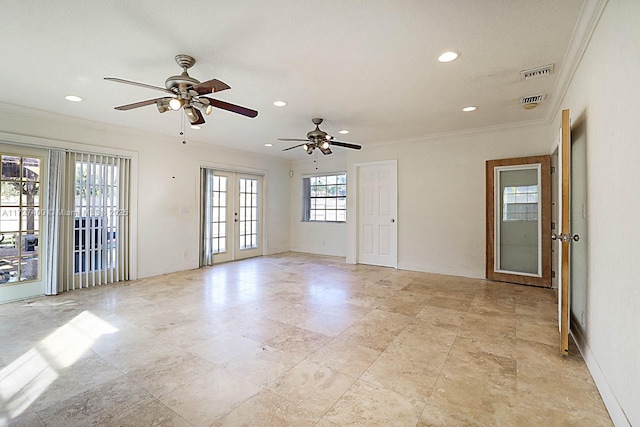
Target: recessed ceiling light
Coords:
[(268, 145), (469, 108), (448, 56), (73, 98), (343, 131), (196, 127), (279, 103)]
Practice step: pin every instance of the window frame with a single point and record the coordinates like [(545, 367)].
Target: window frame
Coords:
[(308, 197)]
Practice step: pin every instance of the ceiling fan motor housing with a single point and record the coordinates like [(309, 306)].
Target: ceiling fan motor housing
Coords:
[(183, 79)]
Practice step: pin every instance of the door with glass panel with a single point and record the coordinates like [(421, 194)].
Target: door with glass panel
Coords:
[(22, 182), (518, 220), (246, 216), (232, 225)]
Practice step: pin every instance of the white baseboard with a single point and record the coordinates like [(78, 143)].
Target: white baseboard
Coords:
[(142, 274), (608, 397), (447, 271)]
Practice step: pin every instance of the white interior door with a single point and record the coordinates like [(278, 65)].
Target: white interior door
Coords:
[(377, 209), (22, 225), (236, 216)]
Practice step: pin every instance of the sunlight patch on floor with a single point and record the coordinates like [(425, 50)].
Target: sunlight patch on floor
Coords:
[(27, 377)]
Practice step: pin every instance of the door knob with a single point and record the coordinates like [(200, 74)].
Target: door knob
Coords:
[(393, 220), (565, 237)]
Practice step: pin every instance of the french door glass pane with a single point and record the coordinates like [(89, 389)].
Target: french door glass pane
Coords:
[(248, 213), (218, 215)]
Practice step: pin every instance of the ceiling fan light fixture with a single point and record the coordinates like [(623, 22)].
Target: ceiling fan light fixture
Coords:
[(208, 109), (175, 104), (163, 105), (191, 114), (325, 145), (310, 149), (305, 147)]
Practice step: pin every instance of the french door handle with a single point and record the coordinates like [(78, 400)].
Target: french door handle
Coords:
[(565, 237), (236, 220)]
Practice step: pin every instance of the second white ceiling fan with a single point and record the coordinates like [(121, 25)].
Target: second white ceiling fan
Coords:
[(319, 139)]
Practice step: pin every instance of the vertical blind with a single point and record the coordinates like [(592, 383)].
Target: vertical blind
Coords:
[(206, 206), (93, 215)]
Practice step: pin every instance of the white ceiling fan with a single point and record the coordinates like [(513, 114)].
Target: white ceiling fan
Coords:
[(186, 93), (319, 139)]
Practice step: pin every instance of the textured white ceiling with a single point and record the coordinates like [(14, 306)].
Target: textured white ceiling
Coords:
[(364, 65)]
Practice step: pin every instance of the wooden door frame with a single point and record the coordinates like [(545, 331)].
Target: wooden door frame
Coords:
[(565, 213), (545, 239)]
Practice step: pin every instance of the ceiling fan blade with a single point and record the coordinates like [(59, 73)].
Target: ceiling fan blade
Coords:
[(346, 145), (231, 107), (129, 82), (138, 104), (292, 139), (295, 146), (210, 86)]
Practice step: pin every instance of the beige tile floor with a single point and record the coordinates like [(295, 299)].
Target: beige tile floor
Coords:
[(294, 340)]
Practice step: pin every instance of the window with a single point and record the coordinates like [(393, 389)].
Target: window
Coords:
[(19, 218), (325, 198), (520, 203)]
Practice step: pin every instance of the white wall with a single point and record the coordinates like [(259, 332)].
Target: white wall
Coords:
[(441, 195), (603, 96), (323, 238), (167, 181)]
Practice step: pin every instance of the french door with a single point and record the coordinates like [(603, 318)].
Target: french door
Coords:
[(232, 217)]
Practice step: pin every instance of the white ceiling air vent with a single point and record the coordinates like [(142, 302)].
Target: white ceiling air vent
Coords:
[(531, 102), (545, 70), (531, 99)]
